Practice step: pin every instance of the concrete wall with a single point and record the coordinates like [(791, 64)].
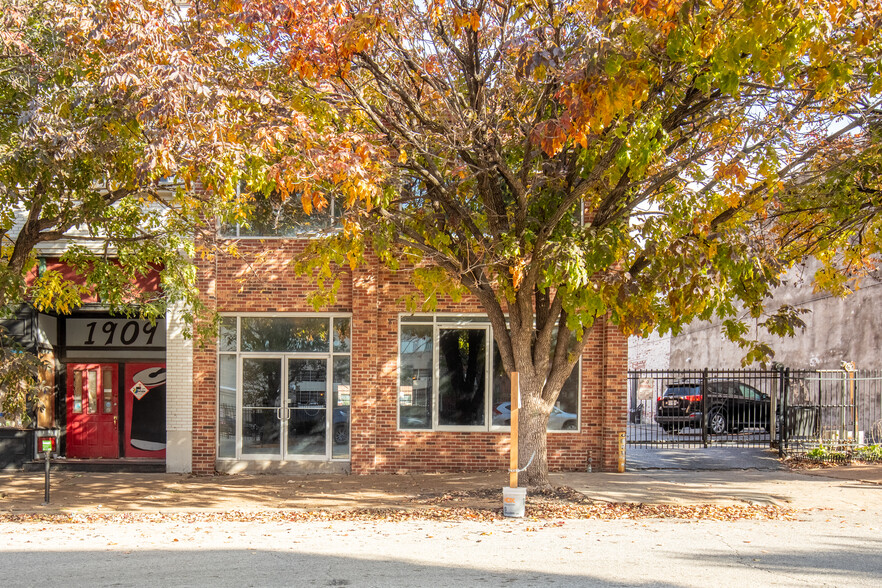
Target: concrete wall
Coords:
[(650, 353), (837, 330)]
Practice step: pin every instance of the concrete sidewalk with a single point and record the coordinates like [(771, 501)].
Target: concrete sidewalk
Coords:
[(120, 492)]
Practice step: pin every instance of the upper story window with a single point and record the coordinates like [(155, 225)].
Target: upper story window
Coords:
[(271, 215)]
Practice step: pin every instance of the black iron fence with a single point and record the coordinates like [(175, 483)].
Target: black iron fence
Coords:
[(835, 410), (681, 408), (797, 411)]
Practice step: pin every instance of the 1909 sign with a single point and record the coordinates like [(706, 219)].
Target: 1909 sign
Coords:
[(110, 332)]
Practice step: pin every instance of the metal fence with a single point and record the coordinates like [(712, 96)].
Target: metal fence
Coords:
[(835, 409), (687, 408), (794, 410)]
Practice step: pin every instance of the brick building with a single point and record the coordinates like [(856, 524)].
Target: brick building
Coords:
[(363, 385)]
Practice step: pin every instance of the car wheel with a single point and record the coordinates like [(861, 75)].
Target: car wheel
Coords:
[(569, 426), (717, 423), (341, 434)]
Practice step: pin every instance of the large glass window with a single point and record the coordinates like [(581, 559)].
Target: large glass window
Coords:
[(276, 376), (415, 377), (274, 215), (455, 349), (293, 334), (226, 406), (462, 375)]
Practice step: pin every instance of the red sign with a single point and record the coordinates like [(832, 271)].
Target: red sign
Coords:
[(46, 444)]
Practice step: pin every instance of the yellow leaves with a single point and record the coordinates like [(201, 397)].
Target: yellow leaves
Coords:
[(732, 199), (402, 157), (51, 291), (863, 36)]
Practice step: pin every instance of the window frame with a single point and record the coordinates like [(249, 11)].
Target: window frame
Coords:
[(305, 234), (283, 357), (440, 321)]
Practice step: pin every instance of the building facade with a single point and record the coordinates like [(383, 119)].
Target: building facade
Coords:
[(363, 385), (360, 386), (103, 387)]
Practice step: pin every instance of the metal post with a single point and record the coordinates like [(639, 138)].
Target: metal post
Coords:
[(704, 408), (785, 392), (773, 409), (46, 490), (854, 409)]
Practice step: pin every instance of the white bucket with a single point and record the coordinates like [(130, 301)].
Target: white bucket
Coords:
[(513, 502)]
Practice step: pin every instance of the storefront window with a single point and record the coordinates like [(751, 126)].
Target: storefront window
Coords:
[(415, 377), (459, 354), (226, 406), (565, 414), (227, 339), (341, 335), (283, 386), (462, 359), (291, 334), (342, 401)]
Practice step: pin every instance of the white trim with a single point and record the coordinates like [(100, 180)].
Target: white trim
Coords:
[(327, 356), (432, 319)]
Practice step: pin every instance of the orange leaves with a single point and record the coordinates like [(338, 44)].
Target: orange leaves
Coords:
[(551, 136), (733, 170), (468, 20), (595, 104), (656, 9)]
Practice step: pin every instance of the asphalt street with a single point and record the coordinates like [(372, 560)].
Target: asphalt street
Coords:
[(825, 549), (834, 541)]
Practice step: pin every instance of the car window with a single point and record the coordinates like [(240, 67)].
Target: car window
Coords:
[(722, 389), (750, 393), (683, 390)]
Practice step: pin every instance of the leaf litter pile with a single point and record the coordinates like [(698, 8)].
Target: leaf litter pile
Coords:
[(474, 505)]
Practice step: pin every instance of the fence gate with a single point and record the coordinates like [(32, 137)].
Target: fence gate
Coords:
[(837, 409), (688, 408)]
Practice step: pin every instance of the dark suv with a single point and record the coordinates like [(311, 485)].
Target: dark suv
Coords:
[(731, 406)]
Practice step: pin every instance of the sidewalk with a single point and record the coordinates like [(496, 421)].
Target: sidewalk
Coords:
[(22, 492)]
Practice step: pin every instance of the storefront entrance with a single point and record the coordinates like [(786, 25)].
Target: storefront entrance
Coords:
[(283, 388), (287, 425), (92, 410)]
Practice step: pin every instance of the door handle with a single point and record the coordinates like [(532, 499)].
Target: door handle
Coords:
[(115, 421)]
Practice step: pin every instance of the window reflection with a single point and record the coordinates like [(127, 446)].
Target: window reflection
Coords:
[(415, 377), (462, 373), (291, 334)]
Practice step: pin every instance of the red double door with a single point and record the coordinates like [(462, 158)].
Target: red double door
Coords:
[(93, 410)]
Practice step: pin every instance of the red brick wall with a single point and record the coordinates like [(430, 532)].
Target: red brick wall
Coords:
[(261, 281)]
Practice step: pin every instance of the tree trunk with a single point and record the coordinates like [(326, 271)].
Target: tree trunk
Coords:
[(532, 425)]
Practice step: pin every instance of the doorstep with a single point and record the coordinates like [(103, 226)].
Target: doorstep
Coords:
[(130, 465)]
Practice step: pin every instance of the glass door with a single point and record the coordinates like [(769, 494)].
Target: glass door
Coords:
[(262, 414), (306, 410)]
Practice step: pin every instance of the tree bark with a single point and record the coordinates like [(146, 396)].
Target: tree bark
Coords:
[(533, 422)]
